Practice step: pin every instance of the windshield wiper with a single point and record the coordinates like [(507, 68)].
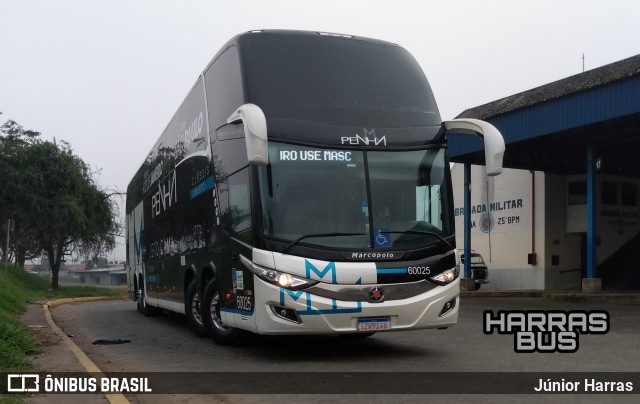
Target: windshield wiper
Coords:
[(429, 233), (294, 242)]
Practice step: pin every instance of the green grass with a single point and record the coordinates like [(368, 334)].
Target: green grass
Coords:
[(17, 289)]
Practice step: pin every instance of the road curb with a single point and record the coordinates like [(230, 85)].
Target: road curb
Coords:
[(83, 359)]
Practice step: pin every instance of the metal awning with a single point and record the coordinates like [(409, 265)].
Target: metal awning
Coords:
[(548, 128), (565, 127)]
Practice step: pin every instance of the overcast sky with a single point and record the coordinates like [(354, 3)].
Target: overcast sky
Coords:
[(107, 75)]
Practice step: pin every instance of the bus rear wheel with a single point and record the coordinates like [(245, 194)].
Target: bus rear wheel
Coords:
[(193, 309), (219, 332), (143, 307)]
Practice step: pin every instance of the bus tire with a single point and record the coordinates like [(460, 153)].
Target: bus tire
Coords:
[(193, 309), (143, 307), (217, 330)]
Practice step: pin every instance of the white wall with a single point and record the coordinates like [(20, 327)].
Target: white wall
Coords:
[(507, 201), (559, 227)]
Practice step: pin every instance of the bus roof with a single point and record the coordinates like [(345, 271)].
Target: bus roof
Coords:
[(328, 88)]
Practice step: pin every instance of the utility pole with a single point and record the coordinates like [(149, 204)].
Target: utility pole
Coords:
[(582, 62)]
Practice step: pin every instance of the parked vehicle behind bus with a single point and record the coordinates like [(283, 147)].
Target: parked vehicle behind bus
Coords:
[(258, 208), (479, 270)]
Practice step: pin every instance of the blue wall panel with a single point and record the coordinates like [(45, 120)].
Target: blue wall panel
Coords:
[(586, 107)]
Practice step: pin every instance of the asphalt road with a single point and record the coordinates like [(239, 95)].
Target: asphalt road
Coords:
[(164, 344)]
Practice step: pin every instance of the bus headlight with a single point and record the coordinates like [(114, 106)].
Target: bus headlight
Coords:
[(445, 277), (281, 279)]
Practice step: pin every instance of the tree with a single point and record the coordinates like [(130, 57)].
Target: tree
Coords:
[(13, 191), (89, 265), (67, 208), (17, 134), (52, 195)]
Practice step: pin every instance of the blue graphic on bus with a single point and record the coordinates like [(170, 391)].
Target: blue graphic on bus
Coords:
[(310, 311), (201, 188), (331, 266), (390, 271)]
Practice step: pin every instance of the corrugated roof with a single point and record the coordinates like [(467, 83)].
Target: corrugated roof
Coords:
[(593, 78)]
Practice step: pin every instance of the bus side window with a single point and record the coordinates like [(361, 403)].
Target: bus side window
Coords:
[(224, 87), (240, 202)]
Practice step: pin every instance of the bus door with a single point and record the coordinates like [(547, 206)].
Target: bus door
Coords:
[(237, 280)]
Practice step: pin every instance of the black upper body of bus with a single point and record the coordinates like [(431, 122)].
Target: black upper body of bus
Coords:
[(357, 161)]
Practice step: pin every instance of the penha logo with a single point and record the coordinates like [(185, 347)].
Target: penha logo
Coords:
[(369, 139)]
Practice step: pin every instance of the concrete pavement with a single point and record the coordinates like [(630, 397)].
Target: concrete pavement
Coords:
[(60, 354)]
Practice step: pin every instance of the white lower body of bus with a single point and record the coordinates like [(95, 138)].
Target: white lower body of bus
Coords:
[(346, 299)]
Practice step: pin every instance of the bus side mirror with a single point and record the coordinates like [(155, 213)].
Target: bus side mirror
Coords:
[(255, 132), (493, 141)]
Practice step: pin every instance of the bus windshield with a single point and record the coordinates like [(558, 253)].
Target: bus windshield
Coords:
[(355, 199)]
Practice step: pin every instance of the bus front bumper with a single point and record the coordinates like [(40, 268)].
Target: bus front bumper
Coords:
[(284, 311)]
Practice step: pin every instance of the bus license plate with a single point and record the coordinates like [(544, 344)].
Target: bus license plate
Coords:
[(373, 324)]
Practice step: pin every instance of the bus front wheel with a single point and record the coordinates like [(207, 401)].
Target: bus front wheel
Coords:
[(219, 332)]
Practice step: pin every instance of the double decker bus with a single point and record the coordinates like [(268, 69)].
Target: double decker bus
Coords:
[(302, 187)]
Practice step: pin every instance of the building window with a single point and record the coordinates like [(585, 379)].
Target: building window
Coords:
[(629, 194), (609, 193), (577, 193)]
